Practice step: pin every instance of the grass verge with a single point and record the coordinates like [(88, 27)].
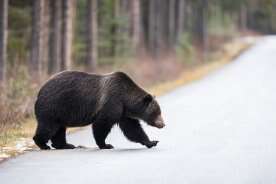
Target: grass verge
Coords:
[(227, 54)]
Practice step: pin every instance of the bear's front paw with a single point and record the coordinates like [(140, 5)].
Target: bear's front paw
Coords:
[(151, 144), (107, 146)]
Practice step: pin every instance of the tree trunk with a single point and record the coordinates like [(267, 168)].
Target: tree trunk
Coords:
[(200, 23), (200, 27), (67, 34), (172, 22), (152, 26), (124, 4), (163, 21), (92, 35), (144, 6), (45, 37), (158, 29), (3, 39), (242, 17), (135, 23), (273, 18), (155, 27), (124, 26), (124, 13), (55, 36), (36, 59), (181, 19), (114, 28)]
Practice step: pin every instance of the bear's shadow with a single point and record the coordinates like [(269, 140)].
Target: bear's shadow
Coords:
[(84, 149), (115, 150)]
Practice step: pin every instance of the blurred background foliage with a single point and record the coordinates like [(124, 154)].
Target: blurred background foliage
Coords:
[(223, 19)]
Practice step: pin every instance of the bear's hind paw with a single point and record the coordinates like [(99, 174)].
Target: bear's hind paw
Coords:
[(65, 146)]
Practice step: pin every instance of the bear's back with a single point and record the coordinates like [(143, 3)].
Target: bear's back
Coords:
[(68, 95)]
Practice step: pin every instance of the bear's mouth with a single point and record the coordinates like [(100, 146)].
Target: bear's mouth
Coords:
[(159, 122)]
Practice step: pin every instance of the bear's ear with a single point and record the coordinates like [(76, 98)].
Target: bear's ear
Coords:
[(147, 99)]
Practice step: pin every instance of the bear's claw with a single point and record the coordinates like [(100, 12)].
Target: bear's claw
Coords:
[(151, 144)]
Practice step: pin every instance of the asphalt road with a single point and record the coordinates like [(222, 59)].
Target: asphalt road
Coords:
[(221, 129)]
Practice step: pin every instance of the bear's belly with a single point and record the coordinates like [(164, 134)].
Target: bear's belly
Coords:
[(77, 124), (77, 119)]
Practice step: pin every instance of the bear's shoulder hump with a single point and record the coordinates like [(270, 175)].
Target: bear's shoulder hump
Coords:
[(120, 75)]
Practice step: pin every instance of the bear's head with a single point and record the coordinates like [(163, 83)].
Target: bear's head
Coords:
[(151, 112)]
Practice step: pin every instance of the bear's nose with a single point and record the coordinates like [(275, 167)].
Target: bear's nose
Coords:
[(159, 123)]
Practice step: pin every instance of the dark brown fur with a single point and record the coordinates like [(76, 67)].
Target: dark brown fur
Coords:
[(73, 99)]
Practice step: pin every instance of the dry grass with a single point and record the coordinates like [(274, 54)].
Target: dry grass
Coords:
[(8, 137), (218, 59), (17, 139)]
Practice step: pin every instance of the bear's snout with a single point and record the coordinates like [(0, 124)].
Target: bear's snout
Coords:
[(159, 122)]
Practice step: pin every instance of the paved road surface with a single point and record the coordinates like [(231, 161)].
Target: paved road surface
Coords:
[(221, 129)]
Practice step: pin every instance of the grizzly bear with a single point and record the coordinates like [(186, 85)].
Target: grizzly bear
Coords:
[(75, 99)]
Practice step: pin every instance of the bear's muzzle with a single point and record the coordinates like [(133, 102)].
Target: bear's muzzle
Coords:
[(159, 122)]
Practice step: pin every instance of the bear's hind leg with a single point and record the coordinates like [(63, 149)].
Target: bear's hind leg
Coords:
[(134, 132), (59, 140), (43, 134), (100, 132)]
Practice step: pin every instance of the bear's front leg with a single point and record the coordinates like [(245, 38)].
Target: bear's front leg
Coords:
[(100, 132), (134, 132)]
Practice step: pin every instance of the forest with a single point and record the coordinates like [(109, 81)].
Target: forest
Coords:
[(151, 40)]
